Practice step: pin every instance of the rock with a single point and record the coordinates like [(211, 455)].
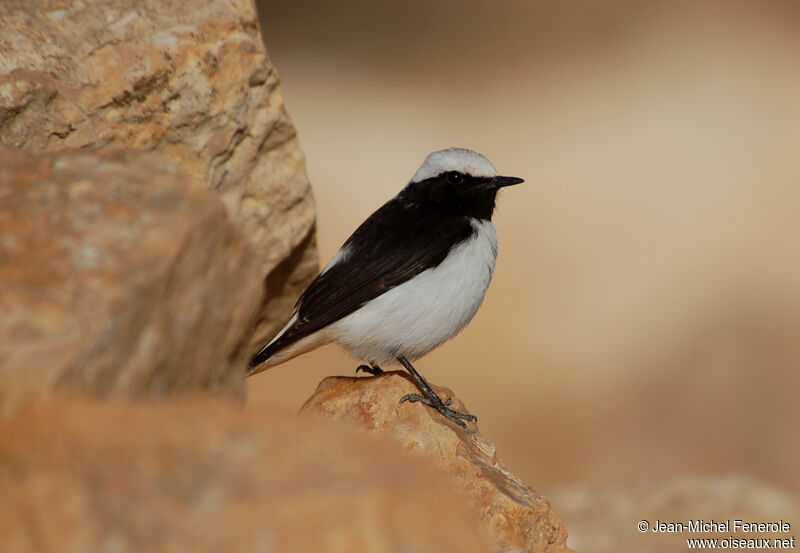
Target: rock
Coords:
[(512, 514), (187, 80), (203, 476), (117, 277), (604, 519)]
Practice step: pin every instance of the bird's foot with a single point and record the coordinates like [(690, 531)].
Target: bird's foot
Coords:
[(442, 406), (372, 369), (430, 398)]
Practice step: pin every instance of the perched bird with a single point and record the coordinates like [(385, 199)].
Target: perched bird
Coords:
[(408, 279)]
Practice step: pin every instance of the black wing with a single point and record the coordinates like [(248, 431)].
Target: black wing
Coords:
[(396, 243)]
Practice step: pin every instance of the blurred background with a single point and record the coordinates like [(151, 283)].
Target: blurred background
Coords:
[(644, 317)]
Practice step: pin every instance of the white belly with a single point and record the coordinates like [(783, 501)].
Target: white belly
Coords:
[(419, 315)]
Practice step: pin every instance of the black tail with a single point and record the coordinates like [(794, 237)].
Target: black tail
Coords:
[(288, 337), (263, 354)]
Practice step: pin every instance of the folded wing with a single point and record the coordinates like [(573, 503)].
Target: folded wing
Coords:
[(393, 245)]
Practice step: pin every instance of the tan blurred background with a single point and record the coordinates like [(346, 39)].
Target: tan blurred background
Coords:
[(644, 317)]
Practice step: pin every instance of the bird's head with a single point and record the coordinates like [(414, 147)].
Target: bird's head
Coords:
[(459, 180)]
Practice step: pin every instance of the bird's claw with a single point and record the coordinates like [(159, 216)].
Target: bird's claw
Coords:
[(442, 406), (374, 370), (414, 398)]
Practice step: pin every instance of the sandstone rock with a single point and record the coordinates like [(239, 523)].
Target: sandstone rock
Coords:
[(188, 80), (604, 519), (512, 514), (199, 476), (118, 277)]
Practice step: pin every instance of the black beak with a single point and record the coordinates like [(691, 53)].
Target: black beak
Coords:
[(500, 182)]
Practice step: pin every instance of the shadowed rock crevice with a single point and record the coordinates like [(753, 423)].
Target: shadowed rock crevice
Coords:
[(283, 285)]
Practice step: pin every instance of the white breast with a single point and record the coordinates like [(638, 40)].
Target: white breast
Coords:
[(419, 315)]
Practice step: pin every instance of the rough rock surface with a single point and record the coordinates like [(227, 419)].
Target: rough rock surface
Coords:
[(201, 476), (188, 80), (118, 277), (604, 519), (512, 514)]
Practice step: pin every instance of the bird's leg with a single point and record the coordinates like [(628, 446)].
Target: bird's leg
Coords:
[(430, 398), (372, 369)]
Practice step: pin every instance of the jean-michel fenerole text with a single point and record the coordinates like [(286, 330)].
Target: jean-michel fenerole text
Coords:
[(708, 526)]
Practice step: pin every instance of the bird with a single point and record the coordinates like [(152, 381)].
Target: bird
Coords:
[(409, 278)]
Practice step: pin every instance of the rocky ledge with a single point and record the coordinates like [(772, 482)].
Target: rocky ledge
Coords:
[(511, 513)]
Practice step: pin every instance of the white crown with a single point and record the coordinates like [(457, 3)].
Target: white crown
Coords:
[(454, 159)]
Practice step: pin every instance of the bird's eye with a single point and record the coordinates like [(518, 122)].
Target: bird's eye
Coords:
[(455, 177)]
